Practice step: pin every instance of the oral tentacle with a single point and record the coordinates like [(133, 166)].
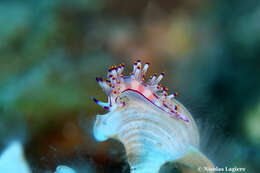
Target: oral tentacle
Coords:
[(104, 105)]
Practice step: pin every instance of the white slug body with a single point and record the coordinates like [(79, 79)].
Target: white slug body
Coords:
[(152, 125)]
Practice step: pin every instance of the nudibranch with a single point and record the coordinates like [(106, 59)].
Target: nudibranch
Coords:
[(153, 126), (116, 84)]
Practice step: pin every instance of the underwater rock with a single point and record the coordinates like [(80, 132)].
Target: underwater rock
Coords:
[(64, 169), (12, 159)]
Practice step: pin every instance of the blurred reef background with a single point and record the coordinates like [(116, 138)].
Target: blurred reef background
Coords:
[(52, 50)]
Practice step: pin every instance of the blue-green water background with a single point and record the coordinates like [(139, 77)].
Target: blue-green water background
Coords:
[(52, 50)]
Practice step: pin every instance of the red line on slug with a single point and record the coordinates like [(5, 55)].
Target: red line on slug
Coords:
[(175, 114)]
